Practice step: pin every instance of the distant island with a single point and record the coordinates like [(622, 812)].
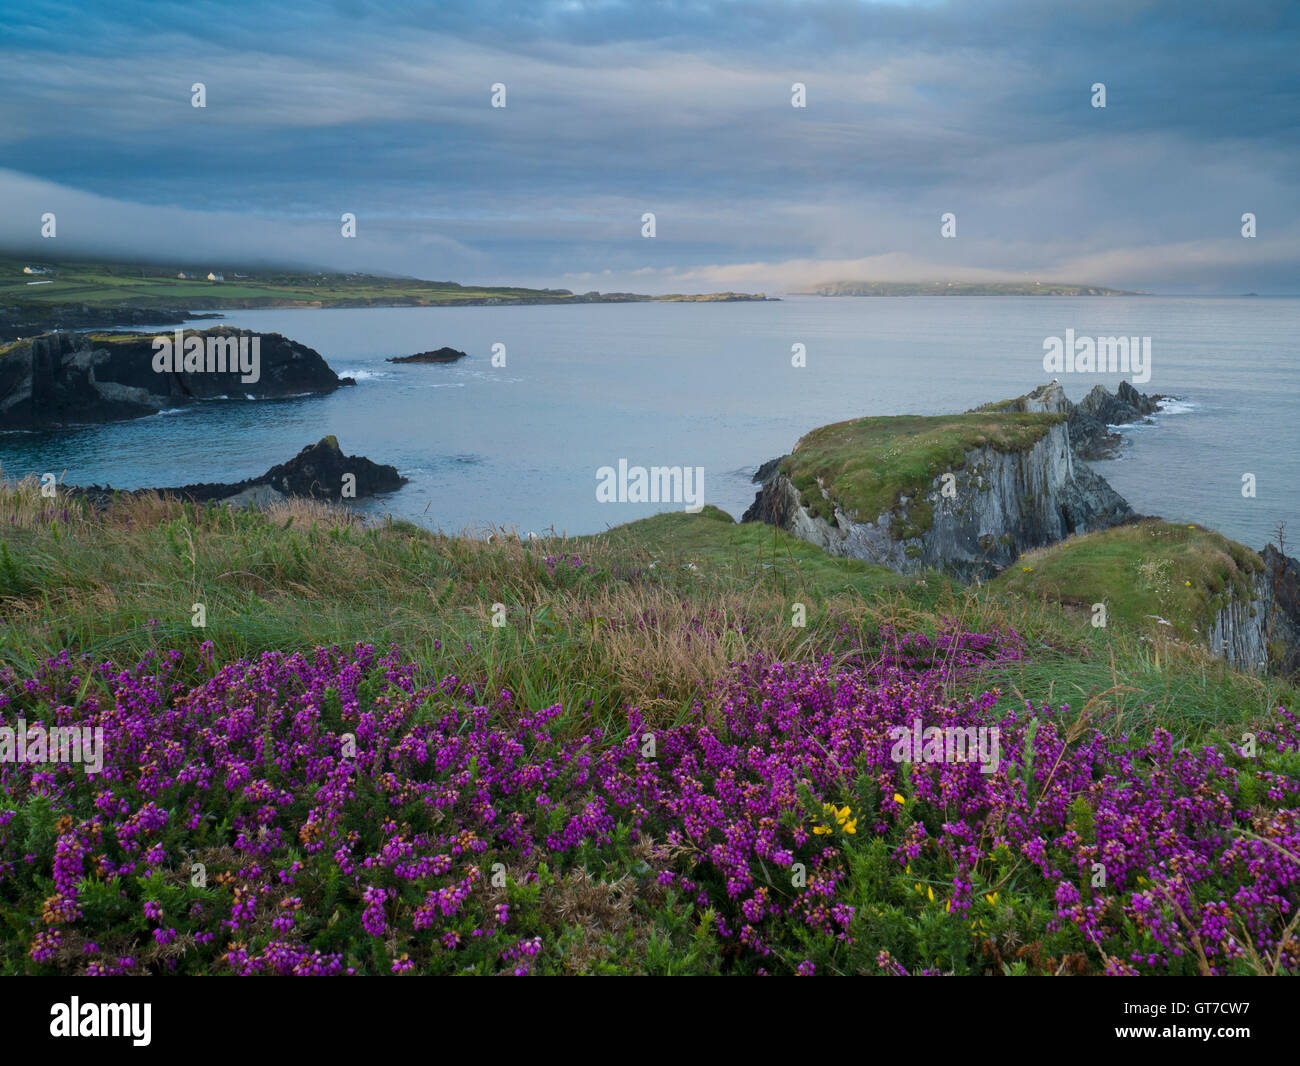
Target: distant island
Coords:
[(38, 296), (958, 288)]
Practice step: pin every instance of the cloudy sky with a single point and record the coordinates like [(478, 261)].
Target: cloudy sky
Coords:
[(980, 108)]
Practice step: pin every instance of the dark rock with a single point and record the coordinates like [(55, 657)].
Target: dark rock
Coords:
[(1143, 404), (765, 472), (1110, 409), (1091, 438), (317, 472), (1089, 420), (442, 355), (765, 507), (1281, 623)]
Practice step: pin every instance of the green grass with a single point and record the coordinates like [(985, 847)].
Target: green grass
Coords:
[(717, 549), (1143, 573), (866, 466), (302, 574)]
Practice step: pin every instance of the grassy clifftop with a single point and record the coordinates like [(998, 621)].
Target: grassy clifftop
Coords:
[(1149, 574), (868, 464)]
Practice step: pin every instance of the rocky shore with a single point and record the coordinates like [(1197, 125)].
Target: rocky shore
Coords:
[(31, 320)]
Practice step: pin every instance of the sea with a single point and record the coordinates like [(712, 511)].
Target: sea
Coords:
[(718, 388)]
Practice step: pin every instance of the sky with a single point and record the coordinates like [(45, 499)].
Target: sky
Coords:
[(983, 109)]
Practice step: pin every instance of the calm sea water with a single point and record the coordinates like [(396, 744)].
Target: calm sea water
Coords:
[(712, 386)]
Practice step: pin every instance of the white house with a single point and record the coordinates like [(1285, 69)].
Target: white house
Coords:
[(35, 270), (214, 276)]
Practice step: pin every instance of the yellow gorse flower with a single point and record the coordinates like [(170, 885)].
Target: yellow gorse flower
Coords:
[(898, 798), (842, 816), (992, 897)]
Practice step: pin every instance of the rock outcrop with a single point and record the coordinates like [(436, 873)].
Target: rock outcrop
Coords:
[(982, 514), (320, 471), (440, 355), (62, 379), (1091, 418)]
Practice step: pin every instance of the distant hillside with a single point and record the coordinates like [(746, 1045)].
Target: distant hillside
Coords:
[(39, 295), (958, 288)]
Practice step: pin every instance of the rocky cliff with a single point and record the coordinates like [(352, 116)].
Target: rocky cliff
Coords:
[(62, 379), (997, 500), (1262, 628)]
